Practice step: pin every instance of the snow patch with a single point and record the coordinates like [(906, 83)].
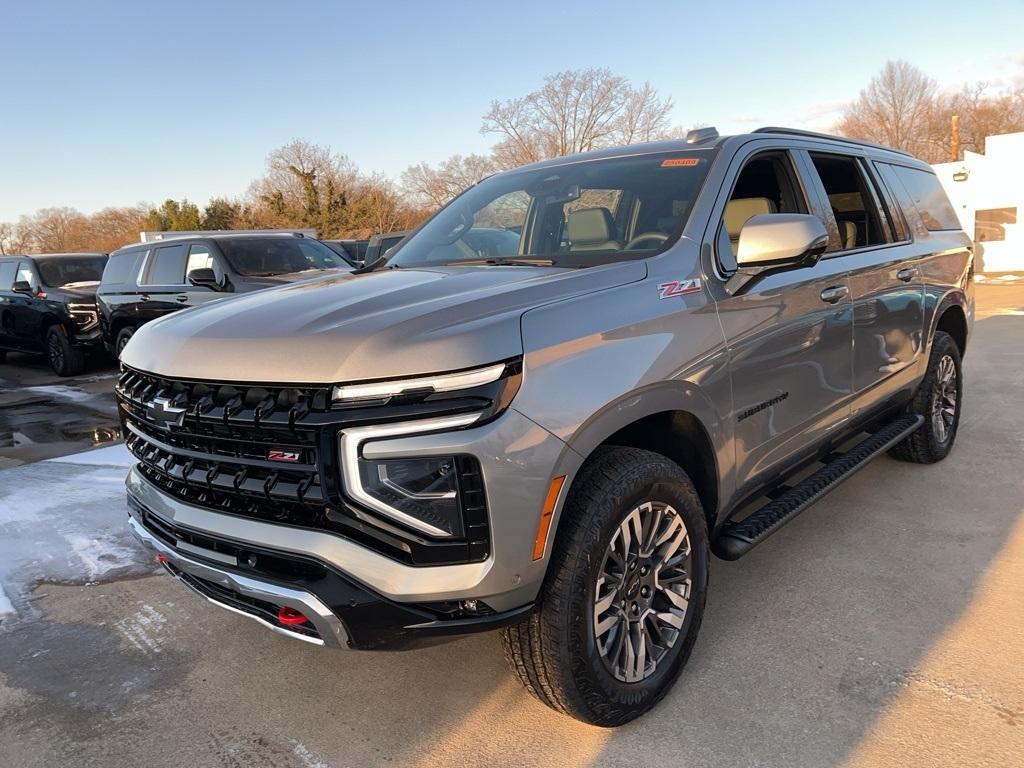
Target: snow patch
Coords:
[(99, 555), (111, 456), (62, 391), (308, 757), (143, 628)]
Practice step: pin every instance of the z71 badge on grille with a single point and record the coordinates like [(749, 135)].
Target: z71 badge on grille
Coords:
[(292, 457)]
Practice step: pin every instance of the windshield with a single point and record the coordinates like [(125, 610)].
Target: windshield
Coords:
[(56, 273), (578, 214), (268, 256)]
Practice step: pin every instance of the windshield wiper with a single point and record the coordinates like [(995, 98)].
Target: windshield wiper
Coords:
[(503, 262)]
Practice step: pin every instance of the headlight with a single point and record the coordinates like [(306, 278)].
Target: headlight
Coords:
[(421, 493), (83, 315), (423, 489)]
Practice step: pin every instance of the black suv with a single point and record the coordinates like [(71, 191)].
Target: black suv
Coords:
[(145, 281), (48, 306)]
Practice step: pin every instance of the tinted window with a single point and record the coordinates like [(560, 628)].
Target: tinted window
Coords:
[(121, 267), (268, 256), (167, 266), (69, 271), (929, 197), (852, 203), (7, 270)]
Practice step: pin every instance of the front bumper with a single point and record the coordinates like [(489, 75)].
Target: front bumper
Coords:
[(340, 613)]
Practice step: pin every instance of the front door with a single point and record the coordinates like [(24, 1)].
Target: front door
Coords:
[(790, 335)]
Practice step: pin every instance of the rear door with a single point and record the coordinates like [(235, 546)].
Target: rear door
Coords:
[(886, 285), (790, 334), (164, 288)]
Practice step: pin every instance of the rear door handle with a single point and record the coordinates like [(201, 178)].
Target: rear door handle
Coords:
[(907, 274), (834, 294), (181, 298), (144, 297)]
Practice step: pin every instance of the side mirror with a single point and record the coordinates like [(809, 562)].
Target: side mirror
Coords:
[(204, 278), (775, 242), (23, 286)]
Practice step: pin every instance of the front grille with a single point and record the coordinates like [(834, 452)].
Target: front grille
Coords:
[(210, 444)]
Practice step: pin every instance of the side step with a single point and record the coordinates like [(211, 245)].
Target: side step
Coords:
[(738, 538)]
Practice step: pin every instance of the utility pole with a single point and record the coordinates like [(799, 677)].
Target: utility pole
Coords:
[(954, 138)]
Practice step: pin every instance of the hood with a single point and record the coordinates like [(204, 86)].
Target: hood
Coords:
[(258, 282), (85, 291), (390, 323)]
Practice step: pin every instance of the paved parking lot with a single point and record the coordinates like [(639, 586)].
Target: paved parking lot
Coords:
[(883, 627)]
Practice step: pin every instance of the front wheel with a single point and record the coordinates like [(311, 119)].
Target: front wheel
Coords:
[(623, 601), (64, 359), (939, 399)]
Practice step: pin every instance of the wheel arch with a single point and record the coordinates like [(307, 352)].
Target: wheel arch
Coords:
[(951, 318), (675, 420)]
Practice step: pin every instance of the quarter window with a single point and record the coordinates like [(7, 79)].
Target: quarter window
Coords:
[(852, 203), (167, 266), (930, 199)]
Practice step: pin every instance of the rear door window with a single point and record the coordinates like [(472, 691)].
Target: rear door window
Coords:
[(167, 266), (853, 204)]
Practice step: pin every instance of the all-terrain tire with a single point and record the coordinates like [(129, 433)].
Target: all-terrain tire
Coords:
[(927, 445), (553, 652), (64, 359)]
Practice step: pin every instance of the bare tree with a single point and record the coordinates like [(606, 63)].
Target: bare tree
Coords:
[(981, 112), (53, 230), (574, 111), (435, 186), (896, 109)]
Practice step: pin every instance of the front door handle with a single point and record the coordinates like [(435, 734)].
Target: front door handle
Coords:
[(834, 294), (144, 297), (181, 298), (907, 274)]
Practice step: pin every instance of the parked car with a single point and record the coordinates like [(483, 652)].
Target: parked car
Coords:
[(378, 246), (353, 251), (694, 341), (145, 281), (48, 306)]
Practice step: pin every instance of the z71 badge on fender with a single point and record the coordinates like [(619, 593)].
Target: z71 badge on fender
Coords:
[(678, 288)]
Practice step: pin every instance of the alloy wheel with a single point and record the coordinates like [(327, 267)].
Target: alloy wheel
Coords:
[(56, 352), (944, 399), (643, 590)]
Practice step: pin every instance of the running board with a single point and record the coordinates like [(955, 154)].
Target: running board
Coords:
[(738, 538)]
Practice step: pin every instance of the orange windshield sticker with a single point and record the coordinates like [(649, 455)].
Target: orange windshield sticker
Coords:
[(680, 162)]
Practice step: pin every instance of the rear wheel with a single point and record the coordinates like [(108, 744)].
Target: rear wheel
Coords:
[(123, 337), (621, 607), (64, 359), (939, 399)]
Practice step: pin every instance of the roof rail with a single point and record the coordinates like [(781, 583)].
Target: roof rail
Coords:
[(830, 137)]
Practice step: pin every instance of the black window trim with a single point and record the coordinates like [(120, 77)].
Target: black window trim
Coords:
[(898, 218)]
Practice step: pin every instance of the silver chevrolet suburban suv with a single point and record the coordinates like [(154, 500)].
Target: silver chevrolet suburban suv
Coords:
[(693, 342)]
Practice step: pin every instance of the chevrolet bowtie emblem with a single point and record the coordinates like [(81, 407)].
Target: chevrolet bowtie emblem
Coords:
[(160, 410)]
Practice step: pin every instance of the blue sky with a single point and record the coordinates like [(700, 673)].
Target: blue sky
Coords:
[(112, 102)]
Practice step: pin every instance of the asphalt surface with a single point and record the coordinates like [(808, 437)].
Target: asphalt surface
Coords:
[(884, 627)]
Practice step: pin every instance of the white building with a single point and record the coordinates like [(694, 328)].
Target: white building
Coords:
[(987, 191)]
